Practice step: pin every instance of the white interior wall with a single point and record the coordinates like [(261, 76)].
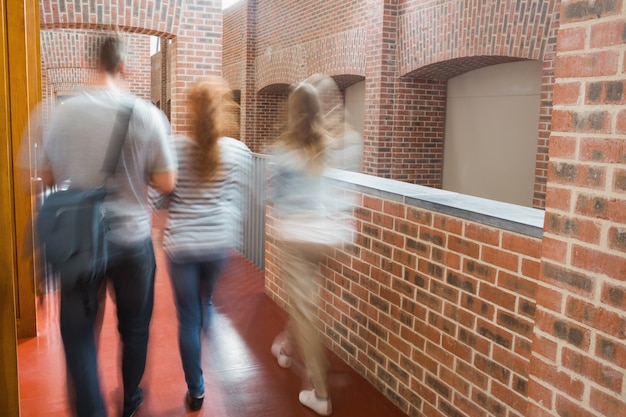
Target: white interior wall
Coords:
[(492, 120), (355, 106)]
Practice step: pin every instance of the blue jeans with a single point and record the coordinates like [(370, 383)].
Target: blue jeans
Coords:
[(193, 283), (131, 272)]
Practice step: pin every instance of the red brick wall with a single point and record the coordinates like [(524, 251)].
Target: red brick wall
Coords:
[(234, 51), (239, 67), (257, 54), (196, 51), (441, 39), (420, 110), (292, 23), (156, 64), (128, 16), (402, 49), (448, 317), (138, 69), (435, 311), (69, 60), (578, 366), (271, 118), (195, 29), (161, 68), (65, 70)]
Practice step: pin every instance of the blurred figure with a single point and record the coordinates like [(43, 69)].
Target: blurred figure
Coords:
[(32, 184), (204, 219), (306, 225), (345, 148), (74, 148)]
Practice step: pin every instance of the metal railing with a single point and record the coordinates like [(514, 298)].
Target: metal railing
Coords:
[(253, 242)]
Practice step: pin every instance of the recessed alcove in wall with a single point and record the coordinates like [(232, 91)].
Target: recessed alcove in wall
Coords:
[(355, 105), (492, 118)]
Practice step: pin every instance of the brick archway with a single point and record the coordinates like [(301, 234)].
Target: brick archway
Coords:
[(195, 49)]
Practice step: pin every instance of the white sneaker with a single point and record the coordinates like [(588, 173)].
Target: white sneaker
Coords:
[(321, 406), (284, 360)]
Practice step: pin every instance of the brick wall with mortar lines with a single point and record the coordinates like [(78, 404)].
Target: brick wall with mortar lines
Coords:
[(577, 362), (161, 68), (337, 52), (134, 16), (286, 24), (239, 68), (271, 120), (156, 62), (435, 32), (195, 29), (138, 68), (564, 382), (333, 54), (405, 40), (198, 51), (431, 32), (287, 66), (578, 367), (435, 311), (234, 54), (380, 79), (344, 52), (419, 124), (69, 57), (65, 48)]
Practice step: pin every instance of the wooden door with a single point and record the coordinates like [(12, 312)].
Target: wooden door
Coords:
[(20, 89)]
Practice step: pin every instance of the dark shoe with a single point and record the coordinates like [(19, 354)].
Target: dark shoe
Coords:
[(130, 410), (194, 403)]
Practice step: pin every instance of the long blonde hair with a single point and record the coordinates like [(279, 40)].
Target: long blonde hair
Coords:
[(305, 125), (211, 108)]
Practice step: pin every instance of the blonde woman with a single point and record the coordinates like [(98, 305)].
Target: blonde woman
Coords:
[(204, 215), (301, 198)]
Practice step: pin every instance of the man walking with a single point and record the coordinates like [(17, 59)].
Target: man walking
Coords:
[(75, 145)]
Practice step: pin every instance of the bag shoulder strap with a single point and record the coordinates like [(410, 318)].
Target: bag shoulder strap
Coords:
[(120, 129)]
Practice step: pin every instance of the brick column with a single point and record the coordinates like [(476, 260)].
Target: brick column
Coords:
[(196, 52), (165, 79), (579, 349), (381, 71), (248, 88)]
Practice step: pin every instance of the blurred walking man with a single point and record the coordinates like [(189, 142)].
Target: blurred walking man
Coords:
[(75, 145)]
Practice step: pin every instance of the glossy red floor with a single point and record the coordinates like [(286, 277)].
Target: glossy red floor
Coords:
[(242, 377)]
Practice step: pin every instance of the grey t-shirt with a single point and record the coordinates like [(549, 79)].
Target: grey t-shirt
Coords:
[(77, 140)]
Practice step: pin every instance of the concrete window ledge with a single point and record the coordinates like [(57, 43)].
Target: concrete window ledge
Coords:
[(511, 217)]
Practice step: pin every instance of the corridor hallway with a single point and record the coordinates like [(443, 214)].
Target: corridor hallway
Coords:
[(242, 377)]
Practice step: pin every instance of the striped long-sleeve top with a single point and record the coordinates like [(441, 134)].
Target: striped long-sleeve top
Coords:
[(204, 219)]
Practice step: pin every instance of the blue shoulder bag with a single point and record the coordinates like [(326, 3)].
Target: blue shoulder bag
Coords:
[(72, 225)]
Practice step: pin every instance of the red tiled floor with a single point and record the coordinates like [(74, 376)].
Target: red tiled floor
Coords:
[(242, 377)]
